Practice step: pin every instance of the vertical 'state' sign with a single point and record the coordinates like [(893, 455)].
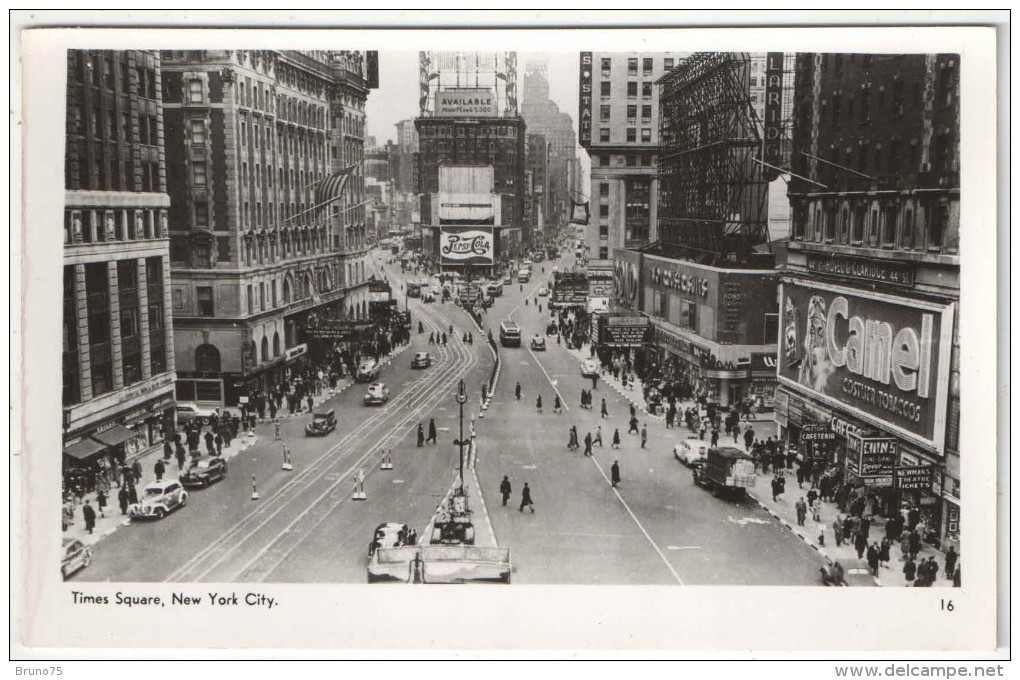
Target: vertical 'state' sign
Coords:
[(584, 100), (773, 151)]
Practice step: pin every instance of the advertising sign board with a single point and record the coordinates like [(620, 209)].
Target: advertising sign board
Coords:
[(773, 132), (870, 456), (465, 101), (569, 289), (466, 245), (623, 331), (584, 96), (340, 330), (883, 358), (627, 278), (917, 478)]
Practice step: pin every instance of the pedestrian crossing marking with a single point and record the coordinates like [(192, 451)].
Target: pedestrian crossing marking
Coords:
[(744, 521)]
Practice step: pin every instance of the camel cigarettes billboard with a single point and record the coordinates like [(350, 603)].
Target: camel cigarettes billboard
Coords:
[(884, 358)]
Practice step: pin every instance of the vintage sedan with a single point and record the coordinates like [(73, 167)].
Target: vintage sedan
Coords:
[(76, 556), (188, 411), (159, 499), (856, 574), (538, 343), (204, 471), (377, 394), (691, 451), (388, 535), (589, 368), (421, 360), (367, 371)]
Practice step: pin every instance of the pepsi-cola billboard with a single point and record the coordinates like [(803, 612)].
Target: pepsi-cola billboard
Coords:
[(466, 245), (884, 358)]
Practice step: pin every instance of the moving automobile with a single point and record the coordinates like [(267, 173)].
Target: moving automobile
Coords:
[(538, 343), (421, 360), (523, 276), (204, 471), (377, 394), (76, 556), (543, 291), (691, 451), (494, 289), (509, 334), (323, 422), (388, 535), (414, 290), (159, 499), (725, 470), (589, 368), (507, 281), (188, 411), (856, 573), (367, 371)]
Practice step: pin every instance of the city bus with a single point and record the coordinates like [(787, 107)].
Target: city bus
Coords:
[(509, 334)]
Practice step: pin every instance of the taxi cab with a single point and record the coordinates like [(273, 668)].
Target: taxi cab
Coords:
[(377, 394)]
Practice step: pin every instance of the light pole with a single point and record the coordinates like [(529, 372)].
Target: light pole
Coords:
[(461, 399)]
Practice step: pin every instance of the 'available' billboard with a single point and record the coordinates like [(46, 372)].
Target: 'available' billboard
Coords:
[(884, 358)]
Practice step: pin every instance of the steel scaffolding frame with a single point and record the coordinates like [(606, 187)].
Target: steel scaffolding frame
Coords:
[(713, 196)]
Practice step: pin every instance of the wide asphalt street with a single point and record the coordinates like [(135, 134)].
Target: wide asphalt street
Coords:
[(656, 528)]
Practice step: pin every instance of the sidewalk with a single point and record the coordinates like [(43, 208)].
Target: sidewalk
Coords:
[(114, 520), (784, 509)]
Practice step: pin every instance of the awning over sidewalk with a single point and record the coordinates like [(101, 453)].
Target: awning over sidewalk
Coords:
[(114, 436), (84, 449)]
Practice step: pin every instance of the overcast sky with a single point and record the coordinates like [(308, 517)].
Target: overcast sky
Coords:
[(397, 96)]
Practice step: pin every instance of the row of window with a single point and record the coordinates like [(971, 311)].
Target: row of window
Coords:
[(647, 89), (647, 65), (631, 135), (604, 160), (605, 112), (101, 167), (921, 226), (103, 338), (107, 69), (101, 226), (105, 124)]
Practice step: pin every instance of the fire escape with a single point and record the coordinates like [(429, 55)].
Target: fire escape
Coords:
[(713, 195)]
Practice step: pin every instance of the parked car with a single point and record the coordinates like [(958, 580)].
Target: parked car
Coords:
[(691, 451), (589, 368), (377, 394), (367, 371), (388, 535), (76, 556), (323, 422), (189, 410), (538, 343), (204, 471), (421, 360), (159, 499), (856, 573)]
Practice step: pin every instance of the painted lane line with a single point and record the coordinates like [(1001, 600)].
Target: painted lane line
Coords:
[(638, 523)]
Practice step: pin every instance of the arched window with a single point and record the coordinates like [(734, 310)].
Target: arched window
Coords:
[(207, 359), (265, 349), (276, 344), (286, 291)]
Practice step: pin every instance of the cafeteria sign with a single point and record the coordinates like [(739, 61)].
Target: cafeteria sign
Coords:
[(917, 478)]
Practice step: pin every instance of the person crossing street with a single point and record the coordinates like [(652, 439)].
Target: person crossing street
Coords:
[(505, 489), (605, 411), (614, 473), (598, 436), (526, 499), (432, 431), (616, 438), (644, 435), (587, 444), (517, 391)]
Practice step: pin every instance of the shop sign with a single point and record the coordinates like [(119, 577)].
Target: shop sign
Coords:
[(664, 338), (242, 400), (473, 245), (295, 352), (860, 268), (623, 331), (918, 478), (871, 456), (764, 362), (678, 278), (842, 427), (882, 357), (465, 102), (340, 330), (816, 433), (773, 112)]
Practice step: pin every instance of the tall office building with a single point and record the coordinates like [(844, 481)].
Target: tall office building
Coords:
[(869, 355), (265, 154), (543, 117), (118, 358)]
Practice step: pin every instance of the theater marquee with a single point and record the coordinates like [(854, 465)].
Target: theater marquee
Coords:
[(882, 357)]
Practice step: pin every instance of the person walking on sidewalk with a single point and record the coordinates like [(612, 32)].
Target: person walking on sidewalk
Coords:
[(219, 444), (180, 458), (159, 469), (101, 502), (168, 451), (614, 473), (505, 489), (595, 381), (748, 437), (526, 499), (123, 499), (837, 530), (136, 468), (801, 507), (715, 436), (89, 513), (644, 435), (432, 431), (861, 544), (873, 558), (951, 558), (517, 391), (210, 443), (616, 438), (276, 428), (605, 411), (598, 440), (883, 553), (909, 570), (775, 488)]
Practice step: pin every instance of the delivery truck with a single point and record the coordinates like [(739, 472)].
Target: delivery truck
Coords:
[(725, 471)]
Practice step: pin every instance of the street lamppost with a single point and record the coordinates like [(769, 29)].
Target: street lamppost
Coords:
[(461, 399)]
